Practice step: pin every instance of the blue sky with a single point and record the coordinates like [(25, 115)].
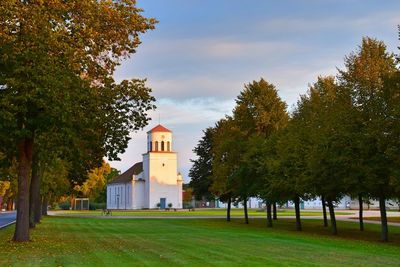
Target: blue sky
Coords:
[(202, 52)]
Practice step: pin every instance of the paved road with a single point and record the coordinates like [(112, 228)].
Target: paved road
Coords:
[(7, 218)]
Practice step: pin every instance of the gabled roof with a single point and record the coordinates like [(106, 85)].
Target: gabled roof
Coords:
[(127, 176), (159, 128)]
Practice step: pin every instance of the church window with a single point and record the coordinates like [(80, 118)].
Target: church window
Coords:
[(162, 145), (168, 146), (156, 146)]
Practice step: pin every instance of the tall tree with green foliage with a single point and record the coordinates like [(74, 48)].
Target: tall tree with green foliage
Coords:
[(327, 112), (225, 161), (285, 166), (54, 182), (259, 112), (366, 74), (56, 64), (201, 170)]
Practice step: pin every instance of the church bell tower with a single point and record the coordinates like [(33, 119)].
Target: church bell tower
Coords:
[(163, 183)]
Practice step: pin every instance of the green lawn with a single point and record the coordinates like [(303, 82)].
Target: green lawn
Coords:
[(185, 213), (66, 241)]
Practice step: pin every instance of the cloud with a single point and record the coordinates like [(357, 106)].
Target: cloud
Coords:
[(197, 66), (287, 25), (195, 86)]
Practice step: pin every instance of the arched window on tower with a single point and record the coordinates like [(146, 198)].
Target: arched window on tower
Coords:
[(156, 146), (168, 146), (150, 146), (162, 145)]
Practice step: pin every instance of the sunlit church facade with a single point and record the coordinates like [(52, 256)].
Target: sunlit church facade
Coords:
[(152, 183)]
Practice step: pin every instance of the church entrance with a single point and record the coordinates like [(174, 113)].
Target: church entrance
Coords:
[(163, 202)]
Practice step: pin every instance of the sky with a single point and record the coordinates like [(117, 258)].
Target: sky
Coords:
[(203, 52)]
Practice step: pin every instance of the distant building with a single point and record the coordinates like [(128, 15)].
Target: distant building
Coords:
[(345, 202), (154, 182)]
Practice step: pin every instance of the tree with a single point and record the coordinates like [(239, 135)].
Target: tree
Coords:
[(4, 186), (259, 112), (188, 196), (102, 198), (95, 182), (57, 60), (201, 170), (224, 161), (325, 112), (287, 166), (367, 72), (55, 182), (8, 182)]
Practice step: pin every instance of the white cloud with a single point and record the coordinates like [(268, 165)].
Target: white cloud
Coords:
[(358, 22), (196, 79)]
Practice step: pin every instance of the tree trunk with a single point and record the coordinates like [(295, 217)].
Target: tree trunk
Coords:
[(34, 202), (269, 215), (297, 209), (360, 212), (44, 205), (228, 211), (246, 215), (324, 211), (72, 202), (25, 150), (275, 217), (332, 215), (384, 225), (10, 204), (6, 199)]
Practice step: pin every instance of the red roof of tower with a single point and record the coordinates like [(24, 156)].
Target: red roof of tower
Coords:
[(159, 128)]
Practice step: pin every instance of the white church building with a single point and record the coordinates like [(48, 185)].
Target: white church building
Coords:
[(150, 184)]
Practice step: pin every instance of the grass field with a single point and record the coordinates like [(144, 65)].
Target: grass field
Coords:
[(66, 241), (186, 213)]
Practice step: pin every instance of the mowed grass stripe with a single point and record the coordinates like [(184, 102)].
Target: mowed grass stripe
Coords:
[(202, 242), (185, 213)]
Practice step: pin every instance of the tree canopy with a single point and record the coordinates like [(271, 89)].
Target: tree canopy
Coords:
[(57, 59)]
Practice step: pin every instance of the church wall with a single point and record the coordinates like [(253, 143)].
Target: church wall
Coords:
[(108, 201), (163, 179), (111, 197), (138, 196), (129, 199), (117, 196), (179, 192), (146, 195)]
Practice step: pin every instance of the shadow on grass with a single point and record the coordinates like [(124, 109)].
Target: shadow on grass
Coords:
[(311, 227)]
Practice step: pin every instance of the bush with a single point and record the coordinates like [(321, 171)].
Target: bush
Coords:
[(65, 205), (187, 205), (97, 206)]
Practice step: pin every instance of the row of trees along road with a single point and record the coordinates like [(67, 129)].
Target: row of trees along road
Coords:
[(342, 138), (58, 100)]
